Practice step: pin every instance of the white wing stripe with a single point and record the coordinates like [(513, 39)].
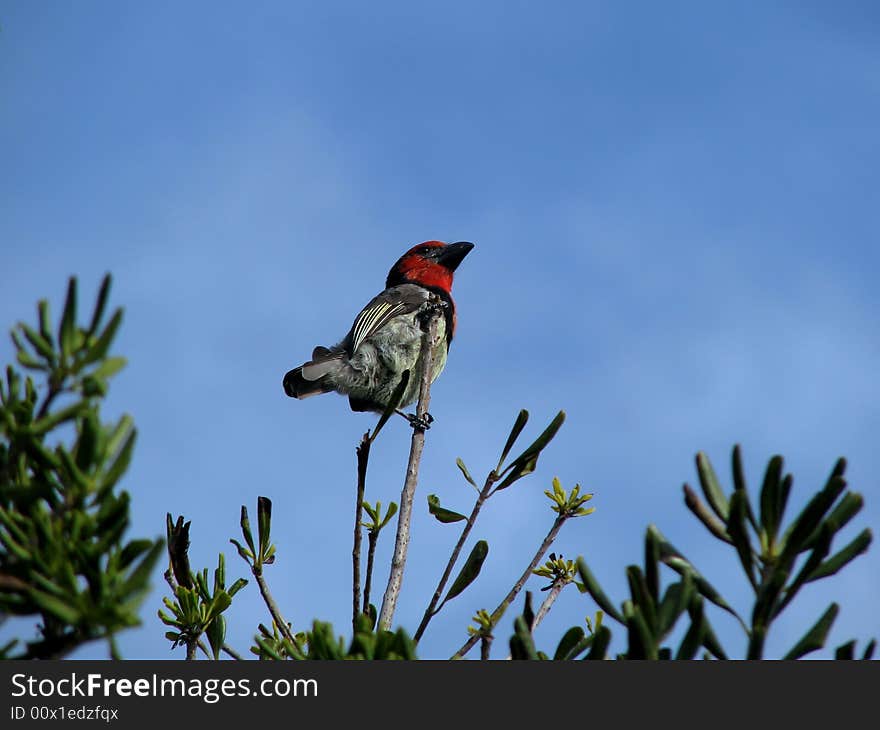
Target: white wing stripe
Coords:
[(366, 320), (371, 319)]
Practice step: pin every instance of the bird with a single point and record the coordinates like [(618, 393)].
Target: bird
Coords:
[(383, 345)]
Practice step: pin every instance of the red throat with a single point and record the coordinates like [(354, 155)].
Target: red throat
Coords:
[(427, 273)]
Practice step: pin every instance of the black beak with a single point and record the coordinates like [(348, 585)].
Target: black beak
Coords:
[(453, 254)]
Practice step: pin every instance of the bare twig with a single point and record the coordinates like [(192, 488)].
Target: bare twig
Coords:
[(485, 646), (363, 458), (517, 587), (169, 579), (401, 543), (372, 539), (555, 590), (282, 625), (51, 394), (430, 611), (232, 652)]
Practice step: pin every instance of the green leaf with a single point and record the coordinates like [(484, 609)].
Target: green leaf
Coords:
[(675, 560), (264, 523), (55, 607), (440, 513), (38, 342), (50, 421), (102, 344), (119, 433), (641, 644), (45, 320), (67, 328), (246, 530), (782, 498), (675, 600), (814, 638), (92, 387), (100, 304), (470, 571), (220, 573), (570, 639), (595, 590), (464, 470), (739, 479), (243, 552), (693, 639), (848, 507), (808, 520), (601, 640), (710, 641), (120, 464), (837, 561), (522, 644), (393, 404), (392, 510), (110, 367), (237, 586), (219, 603), (736, 528), (520, 423), (652, 573), (528, 613), (138, 579), (818, 554), (642, 599), (770, 497), (216, 632), (846, 651), (698, 507), (24, 358), (711, 486), (518, 472), (132, 551), (540, 443), (527, 461), (87, 443), (73, 472)]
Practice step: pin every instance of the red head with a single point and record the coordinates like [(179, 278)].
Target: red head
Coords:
[(430, 264)]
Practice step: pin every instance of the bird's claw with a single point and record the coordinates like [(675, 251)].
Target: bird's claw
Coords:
[(434, 307), (417, 422)]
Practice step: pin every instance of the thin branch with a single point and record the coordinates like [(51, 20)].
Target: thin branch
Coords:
[(363, 458), (51, 394), (517, 587), (169, 579), (372, 539), (555, 590), (232, 652), (431, 610), (485, 647), (401, 543), (282, 625)]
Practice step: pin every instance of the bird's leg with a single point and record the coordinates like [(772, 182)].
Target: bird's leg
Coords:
[(416, 422)]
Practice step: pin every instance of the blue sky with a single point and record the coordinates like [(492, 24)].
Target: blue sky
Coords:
[(675, 211)]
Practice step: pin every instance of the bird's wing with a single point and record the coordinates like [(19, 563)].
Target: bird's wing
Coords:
[(393, 302)]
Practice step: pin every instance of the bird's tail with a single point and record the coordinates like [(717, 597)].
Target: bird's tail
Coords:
[(310, 378)]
